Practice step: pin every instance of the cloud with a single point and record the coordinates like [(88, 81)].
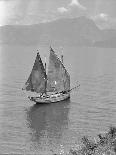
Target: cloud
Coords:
[(2, 13), (62, 10), (104, 21), (76, 3), (101, 17), (73, 9)]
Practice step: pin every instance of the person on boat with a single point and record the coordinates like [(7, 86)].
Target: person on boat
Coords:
[(41, 95), (63, 92), (44, 95)]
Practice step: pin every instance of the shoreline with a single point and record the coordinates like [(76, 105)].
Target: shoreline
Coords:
[(105, 145)]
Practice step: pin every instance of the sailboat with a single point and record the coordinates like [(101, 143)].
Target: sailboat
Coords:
[(53, 86)]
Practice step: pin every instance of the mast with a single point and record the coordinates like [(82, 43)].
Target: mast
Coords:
[(45, 77), (62, 59)]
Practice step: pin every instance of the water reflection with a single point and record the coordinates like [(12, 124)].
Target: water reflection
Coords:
[(48, 122)]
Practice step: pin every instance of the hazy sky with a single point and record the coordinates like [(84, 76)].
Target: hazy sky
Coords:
[(103, 12)]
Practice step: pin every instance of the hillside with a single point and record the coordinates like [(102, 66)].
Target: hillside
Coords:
[(77, 31)]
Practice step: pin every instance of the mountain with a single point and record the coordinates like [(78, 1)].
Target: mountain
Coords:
[(108, 43), (109, 40), (73, 31)]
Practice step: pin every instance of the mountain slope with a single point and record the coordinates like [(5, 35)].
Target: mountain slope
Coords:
[(78, 31), (109, 40)]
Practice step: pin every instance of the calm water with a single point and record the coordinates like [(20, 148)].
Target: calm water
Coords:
[(45, 129)]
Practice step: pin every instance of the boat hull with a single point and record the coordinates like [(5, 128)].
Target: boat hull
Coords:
[(51, 98)]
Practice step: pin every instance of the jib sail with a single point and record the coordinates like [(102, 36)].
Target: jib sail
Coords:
[(37, 79)]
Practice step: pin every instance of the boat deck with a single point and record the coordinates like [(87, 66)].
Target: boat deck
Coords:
[(50, 98)]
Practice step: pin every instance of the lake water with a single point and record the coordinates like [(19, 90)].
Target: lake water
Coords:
[(26, 128)]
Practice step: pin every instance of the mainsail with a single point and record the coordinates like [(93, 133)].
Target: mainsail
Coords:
[(37, 79), (58, 78)]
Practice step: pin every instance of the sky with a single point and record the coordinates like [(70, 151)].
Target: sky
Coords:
[(103, 12)]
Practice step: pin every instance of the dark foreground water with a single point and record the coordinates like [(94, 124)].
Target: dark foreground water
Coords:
[(26, 128)]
